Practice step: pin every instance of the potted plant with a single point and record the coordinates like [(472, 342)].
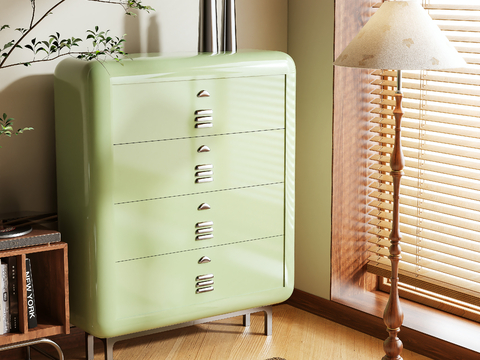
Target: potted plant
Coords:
[(101, 45)]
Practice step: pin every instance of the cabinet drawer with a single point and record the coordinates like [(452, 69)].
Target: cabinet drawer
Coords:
[(153, 285), (166, 110), (153, 170), (175, 224)]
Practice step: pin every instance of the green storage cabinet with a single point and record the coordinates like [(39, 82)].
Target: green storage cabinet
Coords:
[(172, 169)]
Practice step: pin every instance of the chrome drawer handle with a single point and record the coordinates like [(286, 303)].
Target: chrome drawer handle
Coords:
[(203, 93), (204, 290), (204, 231), (204, 167), (204, 283), (203, 224), (204, 119), (204, 237), (203, 180), (203, 148), (204, 112), (203, 125), (204, 206), (204, 277), (204, 260), (204, 173)]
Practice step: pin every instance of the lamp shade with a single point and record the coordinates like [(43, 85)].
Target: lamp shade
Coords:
[(400, 36)]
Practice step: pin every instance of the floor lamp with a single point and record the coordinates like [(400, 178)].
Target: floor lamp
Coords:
[(399, 36)]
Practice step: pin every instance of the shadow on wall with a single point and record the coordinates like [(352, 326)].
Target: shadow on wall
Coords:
[(153, 37), (134, 44), (27, 161)]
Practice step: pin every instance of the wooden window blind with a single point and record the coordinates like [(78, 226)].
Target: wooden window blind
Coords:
[(440, 191)]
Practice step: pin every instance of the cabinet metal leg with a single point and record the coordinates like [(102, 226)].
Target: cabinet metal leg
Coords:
[(108, 343), (89, 346), (246, 320), (268, 320), (108, 346)]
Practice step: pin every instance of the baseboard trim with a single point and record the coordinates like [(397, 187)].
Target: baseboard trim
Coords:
[(413, 340)]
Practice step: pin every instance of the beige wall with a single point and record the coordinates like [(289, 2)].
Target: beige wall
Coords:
[(310, 43), (27, 162)]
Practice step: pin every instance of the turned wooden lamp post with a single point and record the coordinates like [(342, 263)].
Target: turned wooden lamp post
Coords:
[(399, 36)]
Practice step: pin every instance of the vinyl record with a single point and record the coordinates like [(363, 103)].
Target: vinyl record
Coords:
[(14, 231)]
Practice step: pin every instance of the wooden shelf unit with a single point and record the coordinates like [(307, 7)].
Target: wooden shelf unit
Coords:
[(50, 282)]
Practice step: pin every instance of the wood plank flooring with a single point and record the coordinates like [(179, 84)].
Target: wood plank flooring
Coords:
[(297, 335)]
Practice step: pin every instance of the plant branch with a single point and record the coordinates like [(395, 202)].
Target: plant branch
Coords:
[(108, 2), (17, 43), (126, 4), (33, 12), (44, 60), (50, 58)]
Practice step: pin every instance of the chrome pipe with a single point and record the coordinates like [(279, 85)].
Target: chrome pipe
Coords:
[(229, 26), (207, 27)]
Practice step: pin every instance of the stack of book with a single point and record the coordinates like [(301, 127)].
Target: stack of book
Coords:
[(9, 311)]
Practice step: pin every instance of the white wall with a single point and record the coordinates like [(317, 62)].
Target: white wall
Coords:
[(27, 162)]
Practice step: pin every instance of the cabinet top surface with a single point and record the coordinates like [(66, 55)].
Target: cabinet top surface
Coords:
[(197, 64)]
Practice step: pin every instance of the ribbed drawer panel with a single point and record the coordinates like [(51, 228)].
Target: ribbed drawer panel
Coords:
[(179, 223), (159, 169), (150, 286), (174, 109)]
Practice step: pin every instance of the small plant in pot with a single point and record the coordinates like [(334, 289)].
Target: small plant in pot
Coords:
[(100, 46)]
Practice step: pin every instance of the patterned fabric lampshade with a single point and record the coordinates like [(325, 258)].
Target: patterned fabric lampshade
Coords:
[(400, 36)]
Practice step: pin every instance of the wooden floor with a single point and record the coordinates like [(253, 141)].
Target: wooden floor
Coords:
[(297, 335)]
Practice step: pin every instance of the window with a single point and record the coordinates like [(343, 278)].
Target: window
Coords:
[(440, 191)]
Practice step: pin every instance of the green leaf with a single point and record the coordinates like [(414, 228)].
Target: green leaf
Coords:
[(20, 131), (8, 45), (4, 27)]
